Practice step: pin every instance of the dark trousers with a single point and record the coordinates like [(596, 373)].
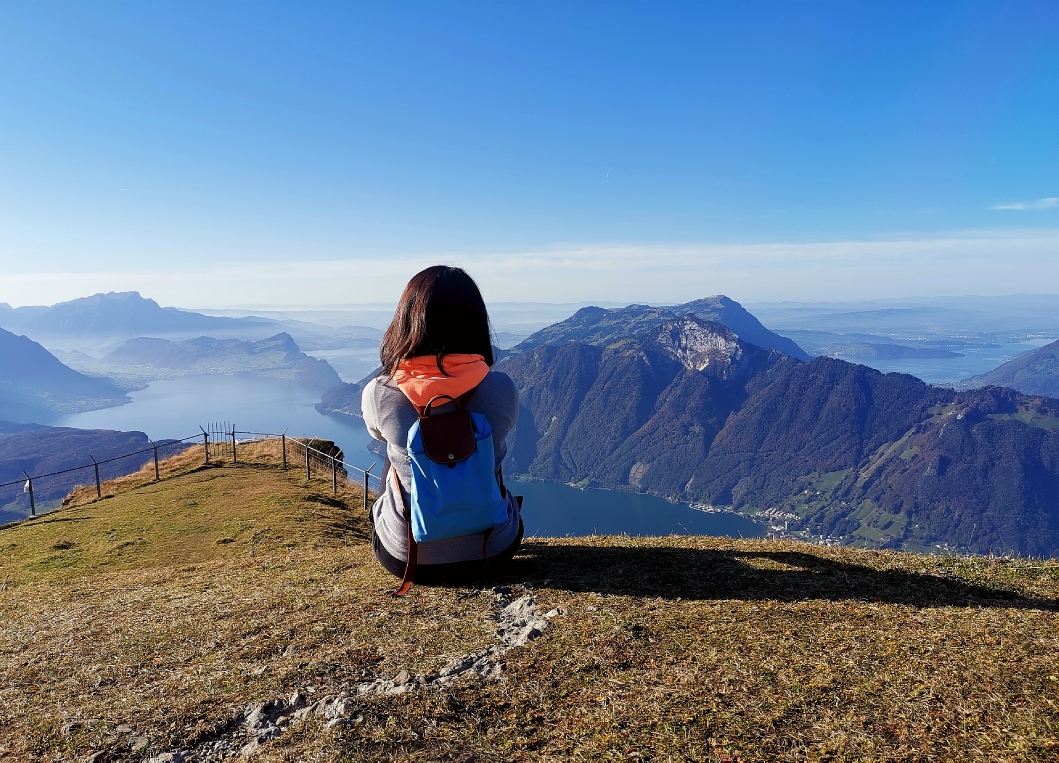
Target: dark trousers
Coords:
[(451, 573)]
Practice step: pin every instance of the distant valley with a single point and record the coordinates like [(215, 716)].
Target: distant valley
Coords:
[(941, 340), (277, 357)]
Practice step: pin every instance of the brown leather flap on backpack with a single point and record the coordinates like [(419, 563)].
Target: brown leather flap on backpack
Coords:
[(448, 438)]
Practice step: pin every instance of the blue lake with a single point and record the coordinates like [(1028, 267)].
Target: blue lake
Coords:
[(555, 510), (175, 408)]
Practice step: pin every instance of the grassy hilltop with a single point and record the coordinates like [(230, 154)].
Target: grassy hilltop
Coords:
[(237, 608)]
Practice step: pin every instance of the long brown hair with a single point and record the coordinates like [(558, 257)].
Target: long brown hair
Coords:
[(441, 312)]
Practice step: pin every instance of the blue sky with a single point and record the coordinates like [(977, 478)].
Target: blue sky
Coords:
[(297, 153)]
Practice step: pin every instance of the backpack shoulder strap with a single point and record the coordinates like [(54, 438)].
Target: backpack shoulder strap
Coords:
[(413, 550)]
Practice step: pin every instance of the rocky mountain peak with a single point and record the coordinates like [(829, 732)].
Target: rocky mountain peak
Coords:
[(702, 345)]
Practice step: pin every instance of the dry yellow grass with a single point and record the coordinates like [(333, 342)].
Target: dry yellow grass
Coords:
[(129, 612)]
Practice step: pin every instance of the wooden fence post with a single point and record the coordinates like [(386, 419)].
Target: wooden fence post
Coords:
[(206, 445), (334, 476), (234, 459), (283, 442), (308, 473), (99, 492), (155, 447)]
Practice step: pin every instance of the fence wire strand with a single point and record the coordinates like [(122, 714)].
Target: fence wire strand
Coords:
[(44, 492)]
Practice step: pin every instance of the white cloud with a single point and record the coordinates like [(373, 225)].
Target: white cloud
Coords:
[(1048, 202), (987, 263)]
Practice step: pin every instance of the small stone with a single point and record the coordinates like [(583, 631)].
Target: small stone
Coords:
[(336, 709), (250, 748), (295, 701), (136, 744), (96, 757), (70, 726), (256, 715), (259, 671), (123, 728), (269, 732), (402, 678), (167, 757)]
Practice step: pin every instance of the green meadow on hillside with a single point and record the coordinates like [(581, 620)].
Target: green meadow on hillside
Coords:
[(237, 609)]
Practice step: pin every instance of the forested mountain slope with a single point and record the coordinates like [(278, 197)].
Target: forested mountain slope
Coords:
[(682, 408)]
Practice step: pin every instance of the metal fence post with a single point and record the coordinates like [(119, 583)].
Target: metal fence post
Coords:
[(366, 473), (234, 459), (29, 489), (308, 473), (283, 442), (153, 445), (99, 492), (334, 476)]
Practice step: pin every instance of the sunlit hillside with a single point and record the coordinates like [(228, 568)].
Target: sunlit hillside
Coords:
[(237, 609)]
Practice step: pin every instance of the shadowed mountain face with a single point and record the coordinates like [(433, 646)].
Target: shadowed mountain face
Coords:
[(1035, 373), (682, 408), (43, 450), (35, 386), (598, 326)]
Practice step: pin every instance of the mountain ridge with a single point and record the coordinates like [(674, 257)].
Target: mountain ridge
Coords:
[(598, 325)]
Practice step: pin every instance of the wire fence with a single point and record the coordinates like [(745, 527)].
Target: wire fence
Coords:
[(34, 494)]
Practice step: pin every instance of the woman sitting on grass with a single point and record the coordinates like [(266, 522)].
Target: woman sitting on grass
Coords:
[(436, 384)]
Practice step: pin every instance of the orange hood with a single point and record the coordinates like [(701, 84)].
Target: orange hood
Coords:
[(420, 379)]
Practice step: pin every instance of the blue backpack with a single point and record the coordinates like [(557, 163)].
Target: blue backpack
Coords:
[(455, 490)]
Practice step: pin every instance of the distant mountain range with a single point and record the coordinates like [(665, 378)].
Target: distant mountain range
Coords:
[(36, 386), (101, 320), (1034, 373), (671, 404), (114, 314), (276, 357)]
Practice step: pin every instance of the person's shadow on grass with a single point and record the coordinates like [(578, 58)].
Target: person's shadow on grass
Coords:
[(710, 574)]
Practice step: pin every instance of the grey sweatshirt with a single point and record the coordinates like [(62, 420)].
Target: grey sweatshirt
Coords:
[(389, 415)]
